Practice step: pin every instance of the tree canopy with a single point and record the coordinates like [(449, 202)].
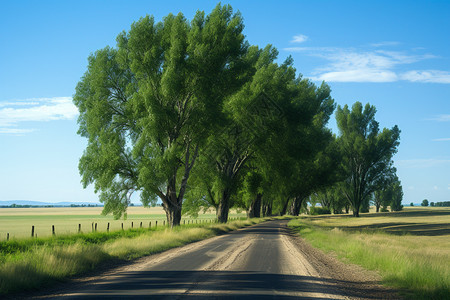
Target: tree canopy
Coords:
[(366, 152), (188, 112), (147, 106)]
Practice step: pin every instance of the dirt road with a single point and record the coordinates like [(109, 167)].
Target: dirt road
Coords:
[(262, 261)]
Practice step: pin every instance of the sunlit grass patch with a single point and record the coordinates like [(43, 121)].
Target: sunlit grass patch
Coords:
[(41, 265), (419, 265)]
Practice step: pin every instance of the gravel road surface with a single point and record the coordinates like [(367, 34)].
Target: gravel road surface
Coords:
[(261, 262)]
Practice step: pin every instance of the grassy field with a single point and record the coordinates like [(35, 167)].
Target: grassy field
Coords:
[(18, 221), (410, 249)]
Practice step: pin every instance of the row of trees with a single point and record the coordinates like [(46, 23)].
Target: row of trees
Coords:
[(190, 113), (439, 204)]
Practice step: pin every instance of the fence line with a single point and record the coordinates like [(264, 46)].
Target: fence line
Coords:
[(95, 227)]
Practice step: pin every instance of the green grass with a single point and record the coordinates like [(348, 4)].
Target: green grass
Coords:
[(415, 261), (33, 263)]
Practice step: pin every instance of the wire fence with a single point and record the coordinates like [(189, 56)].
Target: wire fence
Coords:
[(61, 228)]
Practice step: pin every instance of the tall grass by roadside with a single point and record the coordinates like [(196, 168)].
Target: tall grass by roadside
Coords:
[(33, 263), (417, 265)]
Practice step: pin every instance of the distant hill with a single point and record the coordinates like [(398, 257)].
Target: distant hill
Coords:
[(38, 203)]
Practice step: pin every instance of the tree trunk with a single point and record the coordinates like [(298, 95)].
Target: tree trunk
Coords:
[(296, 206), (377, 206), (267, 209), (173, 211), (285, 207), (224, 207), (347, 208), (355, 209), (255, 207)]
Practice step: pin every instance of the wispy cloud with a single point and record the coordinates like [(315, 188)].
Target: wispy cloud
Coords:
[(300, 38), (441, 118), (434, 76), (14, 113), (441, 140), (384, 44), (422, 163), (371, 64)]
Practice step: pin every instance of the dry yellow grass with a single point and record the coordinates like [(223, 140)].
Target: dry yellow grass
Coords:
[(18, 221), (411, 249)]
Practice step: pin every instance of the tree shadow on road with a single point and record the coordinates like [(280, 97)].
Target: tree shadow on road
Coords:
[(222, 285)]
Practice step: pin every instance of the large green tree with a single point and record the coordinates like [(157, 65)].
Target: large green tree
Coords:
[(252, 116), (366, 152), (147, 106)]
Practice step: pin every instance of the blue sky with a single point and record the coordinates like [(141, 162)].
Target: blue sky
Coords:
[(392, 54)]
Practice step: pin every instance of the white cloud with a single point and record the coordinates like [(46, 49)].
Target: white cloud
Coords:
[(386, 43), (422, 163), (15, 131), (361, 75), (370, 65), (299, 38), (435, 188), (13, 113), (441, 140), (433, 76), (19, 103), (441, 118)]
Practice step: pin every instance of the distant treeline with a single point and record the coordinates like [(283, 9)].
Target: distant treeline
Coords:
[(36, 206), (441, 204)]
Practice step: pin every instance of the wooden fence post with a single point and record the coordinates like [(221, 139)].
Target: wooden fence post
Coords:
[(7, 236), (79, 228), (32, 231), (140, 225), (96, 227), (122, 226), (156, 223), (53, 229), (150, 224), (107, 229), (164, 223), (92, 225)]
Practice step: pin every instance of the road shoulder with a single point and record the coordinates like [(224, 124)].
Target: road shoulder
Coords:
[(351, 280)]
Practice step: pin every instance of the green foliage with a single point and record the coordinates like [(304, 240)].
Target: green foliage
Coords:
[(317, 210), (390, 195), (190, 113), (331, 198), (366, 152), (424, 202), (147, 106)]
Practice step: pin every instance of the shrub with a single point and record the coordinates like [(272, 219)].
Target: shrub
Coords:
[(319, 211)]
